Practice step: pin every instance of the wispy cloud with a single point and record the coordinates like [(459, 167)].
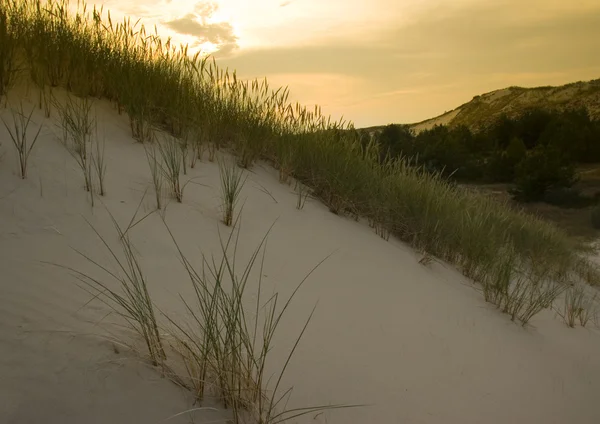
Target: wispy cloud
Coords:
[(197, 25)]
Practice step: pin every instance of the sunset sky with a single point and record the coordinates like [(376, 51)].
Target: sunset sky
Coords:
[(384, 61)]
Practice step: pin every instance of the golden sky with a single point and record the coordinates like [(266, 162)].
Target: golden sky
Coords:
[(383, 61)]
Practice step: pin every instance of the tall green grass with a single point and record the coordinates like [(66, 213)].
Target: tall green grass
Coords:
[(158, 84)]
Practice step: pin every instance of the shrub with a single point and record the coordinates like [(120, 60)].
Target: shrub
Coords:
[(541, 170), (516, 150), (500, 168)]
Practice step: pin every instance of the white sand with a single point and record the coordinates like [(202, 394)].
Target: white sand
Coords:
[(417, 343)]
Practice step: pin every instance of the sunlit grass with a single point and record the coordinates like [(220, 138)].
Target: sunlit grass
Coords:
[(159, 85)]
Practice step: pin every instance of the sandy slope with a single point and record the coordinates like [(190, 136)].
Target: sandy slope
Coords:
[(444, 119), (417, 343)]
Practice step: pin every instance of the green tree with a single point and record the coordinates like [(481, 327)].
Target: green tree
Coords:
[(543, 168), (516, 150), (397, 140), (502, 163), (531, 125)]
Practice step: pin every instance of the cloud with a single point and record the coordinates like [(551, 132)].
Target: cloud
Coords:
[(285, 3), (196, 24), (216, 33), (443, 57)]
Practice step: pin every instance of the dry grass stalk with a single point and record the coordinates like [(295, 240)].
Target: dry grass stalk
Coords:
[(18, 135)]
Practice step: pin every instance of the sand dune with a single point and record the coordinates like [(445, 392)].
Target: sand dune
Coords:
[(416, 343)]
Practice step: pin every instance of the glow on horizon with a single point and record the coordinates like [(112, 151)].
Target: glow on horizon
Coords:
[(382, 61)]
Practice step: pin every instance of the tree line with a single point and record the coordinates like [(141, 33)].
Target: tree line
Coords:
[(536, 152)]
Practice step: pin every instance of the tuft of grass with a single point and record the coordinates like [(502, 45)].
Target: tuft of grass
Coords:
[(232, 182), (99, 163), (18, 134), (228, 342), (212, 151), (520, 292), (46, 100), (197, 146), (227, 345), (128, 294), (156, 172), (184, 147), (170, 165), (578, 306), (78, 127), (302, 193)]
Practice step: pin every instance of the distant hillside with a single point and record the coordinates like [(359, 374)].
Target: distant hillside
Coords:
[(486, 108)]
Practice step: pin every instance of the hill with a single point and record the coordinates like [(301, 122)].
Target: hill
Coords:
[(484, 109)]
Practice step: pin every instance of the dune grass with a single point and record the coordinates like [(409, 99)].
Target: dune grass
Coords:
[(302, 193), (130, 298), (578, 306), (8, 48), (226, 341), (161, 85), (171, 162), (232, 182), (228, 344), (156, 172), (23, 143), (78, 129), (99, 163)]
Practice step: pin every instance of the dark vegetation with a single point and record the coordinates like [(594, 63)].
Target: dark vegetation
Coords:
[(536, 153)]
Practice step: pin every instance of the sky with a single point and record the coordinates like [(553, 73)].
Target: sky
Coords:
[(377, 62)]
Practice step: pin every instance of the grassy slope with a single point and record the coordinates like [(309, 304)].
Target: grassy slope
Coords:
[(159, 85)]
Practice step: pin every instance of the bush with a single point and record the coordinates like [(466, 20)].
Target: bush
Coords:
[(499, 168), (541, 170)]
